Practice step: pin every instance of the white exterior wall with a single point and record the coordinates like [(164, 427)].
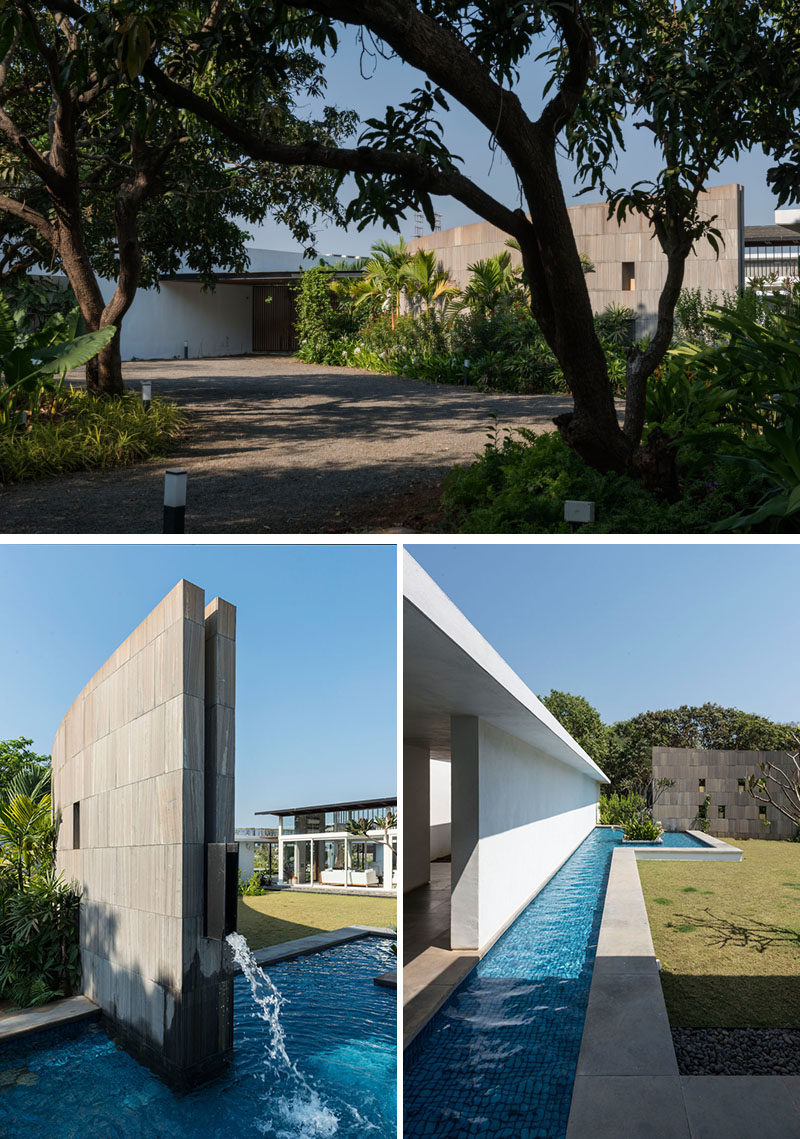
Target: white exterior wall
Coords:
[(247, 855), (517, 815), (534, 812), (440, 809), (416, 814), (218, 323)]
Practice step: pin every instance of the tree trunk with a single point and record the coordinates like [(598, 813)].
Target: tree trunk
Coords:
[(561, 307), (104, 371)]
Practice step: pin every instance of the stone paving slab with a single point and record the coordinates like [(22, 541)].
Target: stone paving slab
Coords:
[(628, 1107), (70, 1010), (289, 950), (742, 1107), (387, 980)]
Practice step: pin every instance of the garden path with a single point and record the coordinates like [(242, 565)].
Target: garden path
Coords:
[(279, 446)]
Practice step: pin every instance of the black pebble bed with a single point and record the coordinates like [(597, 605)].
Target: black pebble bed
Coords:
[(737, 1051)]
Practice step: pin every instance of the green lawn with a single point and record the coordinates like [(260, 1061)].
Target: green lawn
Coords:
[(281, 915), (728, 937)]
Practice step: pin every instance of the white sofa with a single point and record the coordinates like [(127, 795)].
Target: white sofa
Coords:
[(355, 878)]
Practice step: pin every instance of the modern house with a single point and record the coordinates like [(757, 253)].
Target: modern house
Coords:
[(721, 778), (491, 778), (253, 311), (317, 849), (629, 265), (774, 250)]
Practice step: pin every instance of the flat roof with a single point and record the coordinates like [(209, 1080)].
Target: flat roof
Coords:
[(771, 235), (266, 277), (389, 801), (451, 670)]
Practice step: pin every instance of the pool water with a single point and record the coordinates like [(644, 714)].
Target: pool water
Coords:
[(671, 838), (499, 1058), (340, 1035)]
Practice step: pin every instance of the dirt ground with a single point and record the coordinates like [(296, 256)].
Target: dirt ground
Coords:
[(279, 446)]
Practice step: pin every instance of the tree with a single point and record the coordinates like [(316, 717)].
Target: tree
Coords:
[(779, 784), (708, 726), (425, 282), (582, 721), (384, 275), (690, 72), (114, 183), (19, 760)]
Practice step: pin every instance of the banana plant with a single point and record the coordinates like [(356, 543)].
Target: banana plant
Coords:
[(29, 360)]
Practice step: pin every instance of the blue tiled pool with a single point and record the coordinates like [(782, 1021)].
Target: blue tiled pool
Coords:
[(672, 838), (499, 1059), (340, 1034)]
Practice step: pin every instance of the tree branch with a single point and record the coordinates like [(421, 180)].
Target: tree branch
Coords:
[(30, 217), (580, 48), (425, 44), (360, 160)]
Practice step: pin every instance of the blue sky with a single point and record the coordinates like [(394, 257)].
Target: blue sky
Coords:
[(316, 657), (392, 81), (636, 627)]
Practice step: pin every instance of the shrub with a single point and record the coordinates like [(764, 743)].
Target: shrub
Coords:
[(251, 887), (643, 829), (324, 329), (519, 485), (39, 950), (615, 326), (77, 431), (620, 810)]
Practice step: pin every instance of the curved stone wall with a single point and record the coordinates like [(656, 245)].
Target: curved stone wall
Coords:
[(143, 775)]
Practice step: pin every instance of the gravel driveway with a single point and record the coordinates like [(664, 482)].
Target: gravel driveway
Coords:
[(278, 446)]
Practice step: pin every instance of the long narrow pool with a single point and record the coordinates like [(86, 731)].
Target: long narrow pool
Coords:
[(340, 1037), (499, 1058)]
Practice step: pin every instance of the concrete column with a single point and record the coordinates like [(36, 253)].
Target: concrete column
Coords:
[(464, 763), (416, 808), (280, 850), (313, 852), (346, 860)]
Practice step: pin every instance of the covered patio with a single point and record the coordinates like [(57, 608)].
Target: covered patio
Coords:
[(318, 850)]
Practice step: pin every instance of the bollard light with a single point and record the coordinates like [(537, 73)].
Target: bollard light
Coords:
[(147, 394), (174, 501), (186, 349)]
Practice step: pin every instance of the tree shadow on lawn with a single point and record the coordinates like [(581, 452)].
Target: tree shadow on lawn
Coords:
[(750, 934)]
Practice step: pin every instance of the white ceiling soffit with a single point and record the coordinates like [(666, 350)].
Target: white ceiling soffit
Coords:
[(450, 669)]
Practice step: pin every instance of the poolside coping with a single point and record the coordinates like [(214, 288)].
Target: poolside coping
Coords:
[(289, 950), (627, 1083), (23, 1022)]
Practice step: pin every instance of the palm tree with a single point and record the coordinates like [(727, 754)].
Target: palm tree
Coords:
[(426, 281), (384, 273), (490, 280), (27, 836)]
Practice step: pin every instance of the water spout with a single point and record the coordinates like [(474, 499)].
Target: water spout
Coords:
[(301, 1113)]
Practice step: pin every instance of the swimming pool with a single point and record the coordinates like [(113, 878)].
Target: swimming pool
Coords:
[(340, 1034), (499, 1058), (671, 838)]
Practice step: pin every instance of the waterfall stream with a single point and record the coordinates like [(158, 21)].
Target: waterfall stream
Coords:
[(301, 1113)]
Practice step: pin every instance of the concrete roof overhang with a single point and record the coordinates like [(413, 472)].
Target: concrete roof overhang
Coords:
[(450, 669)]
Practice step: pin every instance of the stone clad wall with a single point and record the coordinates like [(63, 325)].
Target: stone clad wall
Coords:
[(140, 752), (721, 770), (609, 245)]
